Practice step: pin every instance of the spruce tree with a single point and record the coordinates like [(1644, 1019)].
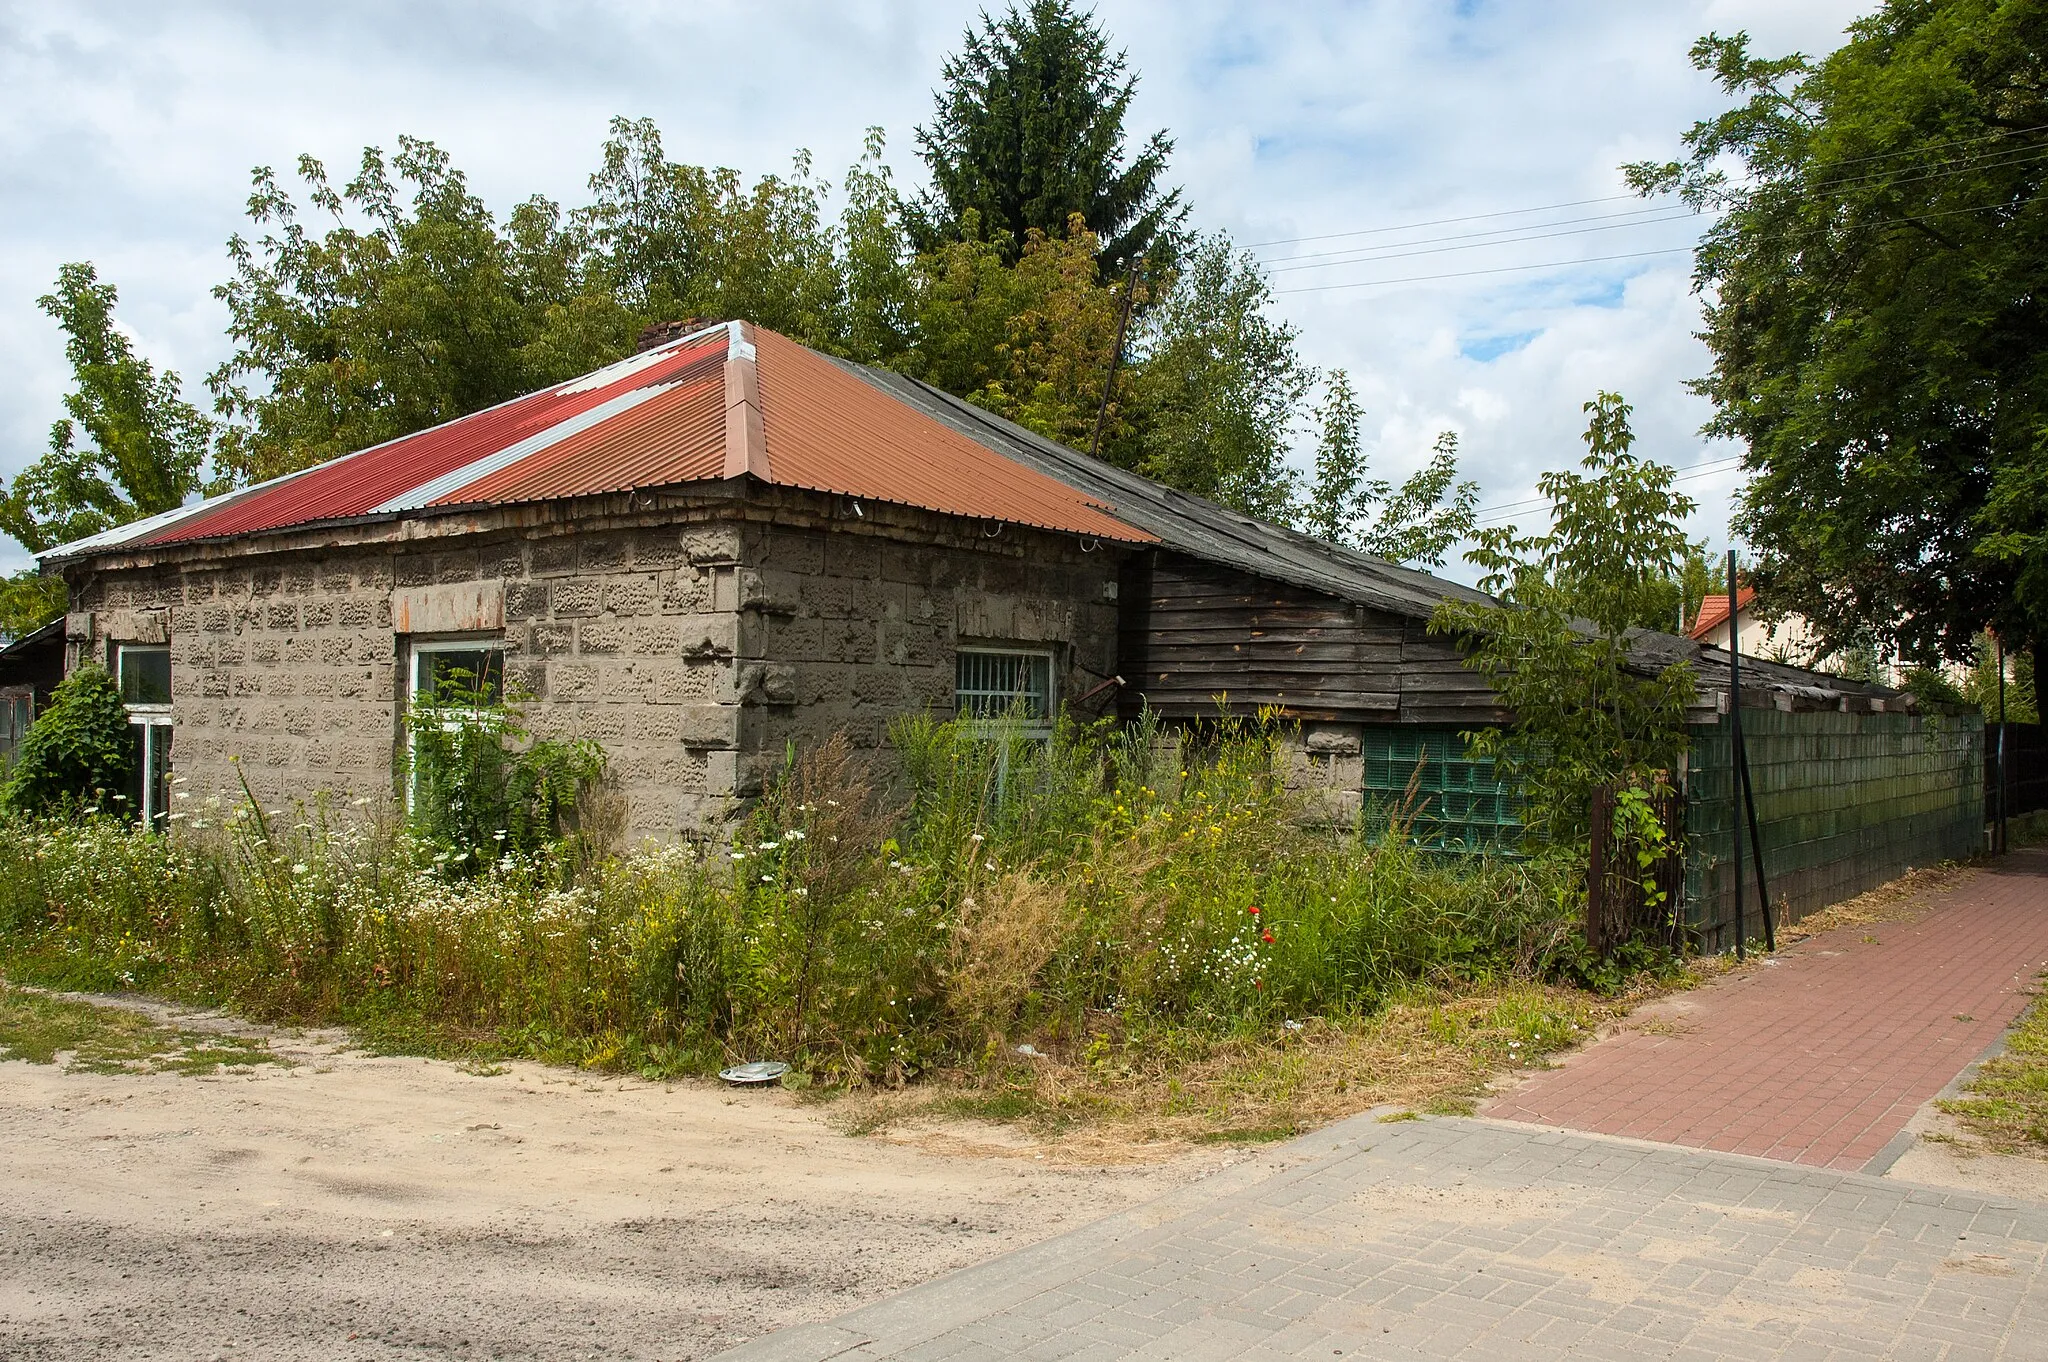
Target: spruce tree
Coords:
[(1029, 131)]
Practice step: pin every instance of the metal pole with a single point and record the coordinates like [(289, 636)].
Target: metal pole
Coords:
[(1756, 849), (1735, 750), (2001, 747), (1123, 323), (1756, 841)]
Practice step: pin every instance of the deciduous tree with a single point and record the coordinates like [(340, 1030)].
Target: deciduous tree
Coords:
[(1556, 648), (1417, 522), (129, 444), (1875, 289), (414, 307), (1220, 384)]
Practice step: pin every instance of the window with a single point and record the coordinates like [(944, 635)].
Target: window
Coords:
[(144, 673), (994, 683), (17, 712), (462, 665)]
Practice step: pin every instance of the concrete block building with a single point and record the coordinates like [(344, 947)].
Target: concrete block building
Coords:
[(729, 542)]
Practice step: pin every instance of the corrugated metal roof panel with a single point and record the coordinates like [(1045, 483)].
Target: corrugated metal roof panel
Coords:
[(827, 431), (679, 436), (357, 484), (660, 419)]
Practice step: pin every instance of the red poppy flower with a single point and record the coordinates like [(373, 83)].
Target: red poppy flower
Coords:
[(1266, 937), (1253, 910)]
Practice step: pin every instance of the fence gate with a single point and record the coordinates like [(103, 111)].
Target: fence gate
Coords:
[(1627, 899)]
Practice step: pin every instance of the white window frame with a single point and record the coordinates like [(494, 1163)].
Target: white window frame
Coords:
[(421, 648), (1041, 727), (148, 717)]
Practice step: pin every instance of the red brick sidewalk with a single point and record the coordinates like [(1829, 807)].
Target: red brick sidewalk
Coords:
[(1822, 1056)]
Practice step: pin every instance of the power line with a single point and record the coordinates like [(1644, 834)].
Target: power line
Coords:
[(1593, 259), (1938, 170), (1391, 253), (1439, 222), (1704, 468), (1396, 251), (1463, 236), (1486, 516), (1466, 274)]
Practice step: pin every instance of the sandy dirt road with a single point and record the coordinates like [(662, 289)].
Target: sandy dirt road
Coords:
[(361, 1207)]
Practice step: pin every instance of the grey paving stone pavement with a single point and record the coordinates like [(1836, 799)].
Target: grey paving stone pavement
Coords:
[(1461, 1238)]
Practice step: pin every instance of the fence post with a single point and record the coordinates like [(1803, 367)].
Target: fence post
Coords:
[(1602, 833), (1735, 745)]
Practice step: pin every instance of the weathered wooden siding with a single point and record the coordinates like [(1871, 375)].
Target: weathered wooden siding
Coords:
[(1192, 631)]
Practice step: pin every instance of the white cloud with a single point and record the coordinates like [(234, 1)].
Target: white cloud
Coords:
[(129, 132)]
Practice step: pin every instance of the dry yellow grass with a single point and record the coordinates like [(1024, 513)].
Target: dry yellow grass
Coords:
[(1904, 899), (1432, 1050)]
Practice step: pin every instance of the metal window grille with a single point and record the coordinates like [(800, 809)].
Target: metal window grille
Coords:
[(992, 684)]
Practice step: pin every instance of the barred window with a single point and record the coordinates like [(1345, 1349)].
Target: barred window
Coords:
[(992, 683)]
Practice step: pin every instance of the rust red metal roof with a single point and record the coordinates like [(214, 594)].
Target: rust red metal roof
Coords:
[(1714, 612), (727, 401)]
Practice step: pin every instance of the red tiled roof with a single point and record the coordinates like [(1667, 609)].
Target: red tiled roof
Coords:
[(1714, 612), (728, 401)]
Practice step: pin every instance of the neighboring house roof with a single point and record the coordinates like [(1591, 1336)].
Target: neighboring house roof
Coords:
[(1714, 612), (728, 400), (35, 659)]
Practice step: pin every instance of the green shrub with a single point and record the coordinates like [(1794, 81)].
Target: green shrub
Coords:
[(77, 752), (482, 787)]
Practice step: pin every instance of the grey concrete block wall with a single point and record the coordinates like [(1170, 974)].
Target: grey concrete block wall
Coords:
[(290, 664), (844, 627)]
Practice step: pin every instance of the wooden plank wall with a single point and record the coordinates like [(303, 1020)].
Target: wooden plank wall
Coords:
[(1192, 630)]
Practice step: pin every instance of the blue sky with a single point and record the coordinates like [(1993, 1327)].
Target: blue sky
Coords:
[(129, 132)]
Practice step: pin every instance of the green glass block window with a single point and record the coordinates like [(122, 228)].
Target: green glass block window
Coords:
[(1451, 802)]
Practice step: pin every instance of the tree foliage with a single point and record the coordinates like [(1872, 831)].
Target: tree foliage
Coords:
[(414, 307), (1029, 341), (1417, 522), (1556, 648), (28, 601), (1028, 132), (1875, 291), (128, 446), (1218, 383), (78, 750)]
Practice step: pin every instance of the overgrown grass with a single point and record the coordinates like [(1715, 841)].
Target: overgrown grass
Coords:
[(1124, 902), (2006, 1104), (94, 1039)]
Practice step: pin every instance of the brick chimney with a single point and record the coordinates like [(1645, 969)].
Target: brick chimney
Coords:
[(661, 333)]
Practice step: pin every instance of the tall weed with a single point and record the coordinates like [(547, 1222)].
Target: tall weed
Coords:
[(1125, 886)]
